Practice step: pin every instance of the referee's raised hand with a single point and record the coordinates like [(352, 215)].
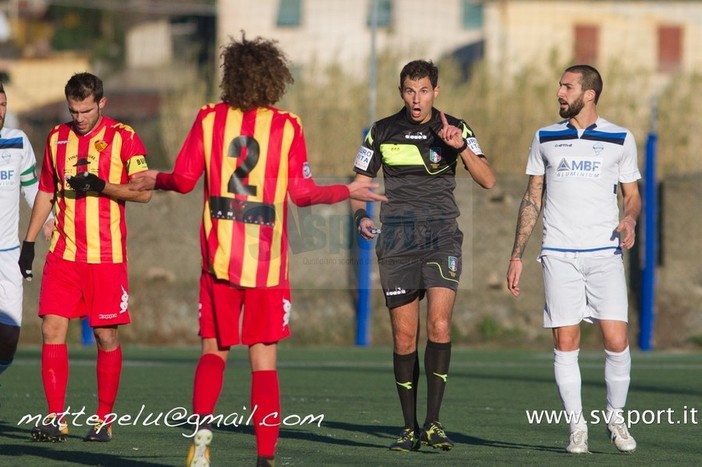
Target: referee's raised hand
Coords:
[(450, 134)]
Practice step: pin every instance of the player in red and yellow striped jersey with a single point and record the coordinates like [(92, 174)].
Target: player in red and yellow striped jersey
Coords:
[(90, 229), (252, 161), (254, 157), (85, 174)]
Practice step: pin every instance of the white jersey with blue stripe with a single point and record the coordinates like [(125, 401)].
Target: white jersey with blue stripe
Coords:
[(582, 170), (17, 173)]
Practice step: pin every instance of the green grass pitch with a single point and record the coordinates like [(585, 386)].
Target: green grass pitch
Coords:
[(340, 409)]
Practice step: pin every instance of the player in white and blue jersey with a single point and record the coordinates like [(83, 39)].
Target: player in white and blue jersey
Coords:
[(17, 174), (577, 170)]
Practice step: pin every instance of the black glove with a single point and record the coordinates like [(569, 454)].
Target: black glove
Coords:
[(86, 181), (26, 259)]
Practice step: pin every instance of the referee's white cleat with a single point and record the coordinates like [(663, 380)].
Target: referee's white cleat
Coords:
[(578, 442), (621, 437)]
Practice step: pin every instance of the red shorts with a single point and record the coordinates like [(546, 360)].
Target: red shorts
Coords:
[(77, 290), (265, 317)]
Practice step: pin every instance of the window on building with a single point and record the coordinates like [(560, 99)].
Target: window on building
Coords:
[(384, 12), (289, 13), (586, 44), (670, 48), (472, 14)]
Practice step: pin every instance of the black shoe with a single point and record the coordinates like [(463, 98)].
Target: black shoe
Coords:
[(408, 441), (433, 435), (101, 432), (50, 430), (265, 461)]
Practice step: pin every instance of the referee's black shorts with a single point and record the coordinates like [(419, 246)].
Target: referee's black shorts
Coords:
[(415, 256)]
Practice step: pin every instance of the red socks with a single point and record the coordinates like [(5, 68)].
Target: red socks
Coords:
[(265, 400), (54, 375), (109, 370), (209, 378), (54, 372)]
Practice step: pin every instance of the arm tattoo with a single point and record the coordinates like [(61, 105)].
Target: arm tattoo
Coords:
[(529, 211)]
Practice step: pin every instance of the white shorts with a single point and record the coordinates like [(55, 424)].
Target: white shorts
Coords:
[(10, 288), (584, 288)]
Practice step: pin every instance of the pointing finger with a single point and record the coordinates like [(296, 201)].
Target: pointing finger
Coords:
[(444, 122)]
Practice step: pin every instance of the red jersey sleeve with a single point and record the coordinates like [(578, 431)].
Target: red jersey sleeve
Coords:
[(302, 188), (133, 151), (47, 177), (131, 143), (189, 164)]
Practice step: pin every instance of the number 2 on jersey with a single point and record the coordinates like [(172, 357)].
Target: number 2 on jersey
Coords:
[(236, 148)]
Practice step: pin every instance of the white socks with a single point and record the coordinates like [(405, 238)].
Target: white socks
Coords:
[(617, 376), (567, 372)]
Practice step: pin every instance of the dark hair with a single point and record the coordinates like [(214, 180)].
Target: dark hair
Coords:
[(83, 85), (589, 78), (255, 73), (418, 69), (2, 88)]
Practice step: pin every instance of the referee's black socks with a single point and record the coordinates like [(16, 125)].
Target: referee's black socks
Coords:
[(406, 368), (437, 359)]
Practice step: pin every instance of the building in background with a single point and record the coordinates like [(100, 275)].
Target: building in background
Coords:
[(152, 47), (319, 33), (143, 50), (135, 44), (658, 37), (653, 36), (650, 36)]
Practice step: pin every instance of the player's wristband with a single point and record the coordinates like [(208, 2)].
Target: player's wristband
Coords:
[(462, 148), (358, 216)]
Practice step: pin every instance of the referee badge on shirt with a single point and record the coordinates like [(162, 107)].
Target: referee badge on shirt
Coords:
[(435, 155)]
